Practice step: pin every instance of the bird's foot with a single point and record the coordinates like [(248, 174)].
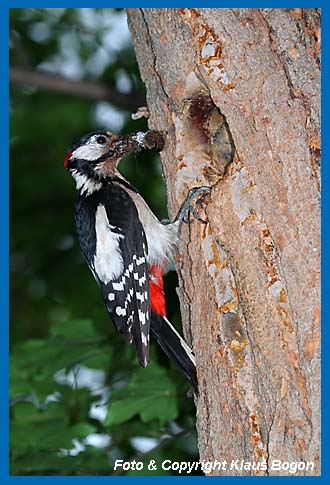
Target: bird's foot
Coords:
[(196, 194)]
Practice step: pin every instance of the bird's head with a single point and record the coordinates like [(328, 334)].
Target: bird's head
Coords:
[(94, 154)]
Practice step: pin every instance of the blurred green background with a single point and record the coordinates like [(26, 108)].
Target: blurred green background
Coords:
[(79, 400)]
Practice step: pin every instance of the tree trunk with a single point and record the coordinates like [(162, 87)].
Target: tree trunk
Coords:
[(237, 92)]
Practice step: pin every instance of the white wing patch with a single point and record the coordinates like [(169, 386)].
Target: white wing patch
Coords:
[(108, 262)]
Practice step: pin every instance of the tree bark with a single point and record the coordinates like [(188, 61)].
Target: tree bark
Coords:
[(237, 93)]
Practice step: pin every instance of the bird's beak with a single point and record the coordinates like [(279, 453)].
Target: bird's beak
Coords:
[(132, 143), (119, 147), (112, 136)]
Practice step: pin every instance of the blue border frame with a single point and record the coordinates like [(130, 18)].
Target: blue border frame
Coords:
[(4, 205), (167, 4), (4, 209)]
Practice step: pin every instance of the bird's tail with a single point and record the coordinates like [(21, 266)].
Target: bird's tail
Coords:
[(174, 346)]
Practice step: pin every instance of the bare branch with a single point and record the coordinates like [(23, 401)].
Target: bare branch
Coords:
[(86, 89)]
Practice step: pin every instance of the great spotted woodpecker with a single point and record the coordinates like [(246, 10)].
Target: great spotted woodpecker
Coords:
[(124, 244)]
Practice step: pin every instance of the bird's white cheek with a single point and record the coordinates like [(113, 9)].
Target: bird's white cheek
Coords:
[(88, 152)]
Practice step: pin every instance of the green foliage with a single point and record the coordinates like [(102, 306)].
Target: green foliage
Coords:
[(72, 377), (51, 411), (151, 394), (35, 361)]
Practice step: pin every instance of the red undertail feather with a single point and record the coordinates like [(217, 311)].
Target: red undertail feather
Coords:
[(157, 296)]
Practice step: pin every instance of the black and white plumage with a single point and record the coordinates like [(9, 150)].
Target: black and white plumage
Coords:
[(116, 253), (124, 244)]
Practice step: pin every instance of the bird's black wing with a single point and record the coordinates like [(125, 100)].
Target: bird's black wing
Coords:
[(114, 245)]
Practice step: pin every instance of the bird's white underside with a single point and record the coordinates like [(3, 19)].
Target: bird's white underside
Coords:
[(161, 238)]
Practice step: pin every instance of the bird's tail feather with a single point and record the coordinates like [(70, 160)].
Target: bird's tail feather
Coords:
[(174, 347)]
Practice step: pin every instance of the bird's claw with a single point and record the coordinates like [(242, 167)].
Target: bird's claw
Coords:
[(187, 206)]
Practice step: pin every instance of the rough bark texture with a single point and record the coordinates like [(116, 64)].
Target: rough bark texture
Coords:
[(249, 279)]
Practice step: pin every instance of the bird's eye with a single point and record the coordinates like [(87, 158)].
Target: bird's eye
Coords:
[(101, 140)]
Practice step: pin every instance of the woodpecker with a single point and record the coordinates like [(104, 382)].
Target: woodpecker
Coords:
[(124, 244)]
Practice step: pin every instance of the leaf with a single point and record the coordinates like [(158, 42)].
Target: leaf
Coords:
[(34, 362), (150, 394), (92, 461), (76, 330), (34, 430)]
